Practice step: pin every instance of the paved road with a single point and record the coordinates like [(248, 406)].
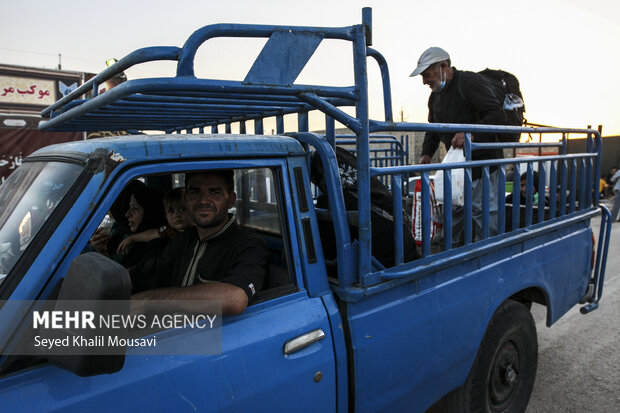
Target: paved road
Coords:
[(579, 356)]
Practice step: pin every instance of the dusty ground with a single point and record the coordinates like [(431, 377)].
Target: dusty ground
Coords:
[(579, 356)]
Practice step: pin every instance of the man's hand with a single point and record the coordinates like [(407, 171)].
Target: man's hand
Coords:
[(137, 306), (459, 140), (234, 300), (424, 159), (99, 241)]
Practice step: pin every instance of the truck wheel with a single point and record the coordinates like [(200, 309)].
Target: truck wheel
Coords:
[(502, 376)]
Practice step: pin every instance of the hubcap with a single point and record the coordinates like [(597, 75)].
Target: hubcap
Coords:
[(504, 376), (511, 375)]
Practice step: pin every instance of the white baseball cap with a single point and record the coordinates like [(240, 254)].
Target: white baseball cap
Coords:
[(430, 56)]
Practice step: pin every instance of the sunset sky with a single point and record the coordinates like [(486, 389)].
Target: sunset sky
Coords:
[(564, 52)]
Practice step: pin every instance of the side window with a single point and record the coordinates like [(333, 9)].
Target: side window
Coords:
[(153, 210), (257, 205), (259, 208)]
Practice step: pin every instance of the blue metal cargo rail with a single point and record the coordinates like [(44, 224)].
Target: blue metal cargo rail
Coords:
[(185, 103)]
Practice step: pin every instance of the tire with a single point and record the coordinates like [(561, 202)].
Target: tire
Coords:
[(503, 374)]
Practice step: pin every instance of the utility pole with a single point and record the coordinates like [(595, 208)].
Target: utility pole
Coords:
[(59, 61)]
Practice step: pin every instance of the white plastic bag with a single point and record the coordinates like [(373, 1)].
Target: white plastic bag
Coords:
[(454, 155)]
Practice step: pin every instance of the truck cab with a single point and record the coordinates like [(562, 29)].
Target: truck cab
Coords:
[(251, 342)]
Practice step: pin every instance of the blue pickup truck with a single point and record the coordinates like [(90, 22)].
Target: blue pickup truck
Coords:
[(451, 328)]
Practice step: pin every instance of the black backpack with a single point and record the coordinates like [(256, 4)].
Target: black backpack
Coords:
[(381, 206), (506, 88)]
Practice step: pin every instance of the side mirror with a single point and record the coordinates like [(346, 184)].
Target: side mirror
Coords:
[(94, 278)]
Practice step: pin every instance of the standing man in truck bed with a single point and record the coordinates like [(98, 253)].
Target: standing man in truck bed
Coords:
[(461, 97)]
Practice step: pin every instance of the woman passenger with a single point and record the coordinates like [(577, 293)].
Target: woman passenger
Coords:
[(145, 212)]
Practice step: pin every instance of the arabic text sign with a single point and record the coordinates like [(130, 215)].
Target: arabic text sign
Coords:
[(27, 91)]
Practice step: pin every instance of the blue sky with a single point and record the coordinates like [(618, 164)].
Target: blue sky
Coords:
[(564, 52)]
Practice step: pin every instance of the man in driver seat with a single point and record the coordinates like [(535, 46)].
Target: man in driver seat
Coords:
[(215, 260)]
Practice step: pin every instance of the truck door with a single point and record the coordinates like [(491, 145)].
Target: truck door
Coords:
[(276, 356)]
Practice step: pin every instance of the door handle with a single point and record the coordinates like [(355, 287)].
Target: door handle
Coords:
[(303, 341)]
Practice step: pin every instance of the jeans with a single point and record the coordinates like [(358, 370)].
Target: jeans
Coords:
[(616, 208), (458, 213)]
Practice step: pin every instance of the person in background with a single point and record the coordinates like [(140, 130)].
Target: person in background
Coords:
[(615, 179), (609, 190), (523, 190), (602, 187)]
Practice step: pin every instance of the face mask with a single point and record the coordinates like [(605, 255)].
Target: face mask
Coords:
[(442, 76)]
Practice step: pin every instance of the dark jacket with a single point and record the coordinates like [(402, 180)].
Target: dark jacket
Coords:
[(236, 256), (468, 98)]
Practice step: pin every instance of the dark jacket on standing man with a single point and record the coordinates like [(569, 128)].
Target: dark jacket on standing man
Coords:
[(468, 98)]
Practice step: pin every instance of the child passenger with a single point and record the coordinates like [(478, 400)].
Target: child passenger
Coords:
[(177, 216), (523, 190)]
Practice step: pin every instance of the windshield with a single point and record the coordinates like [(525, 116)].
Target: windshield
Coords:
[(27, 199)]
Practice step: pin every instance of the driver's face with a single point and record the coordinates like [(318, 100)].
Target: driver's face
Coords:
[(208, 200)]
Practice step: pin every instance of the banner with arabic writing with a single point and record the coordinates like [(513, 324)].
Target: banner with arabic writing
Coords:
[(27, 91)]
